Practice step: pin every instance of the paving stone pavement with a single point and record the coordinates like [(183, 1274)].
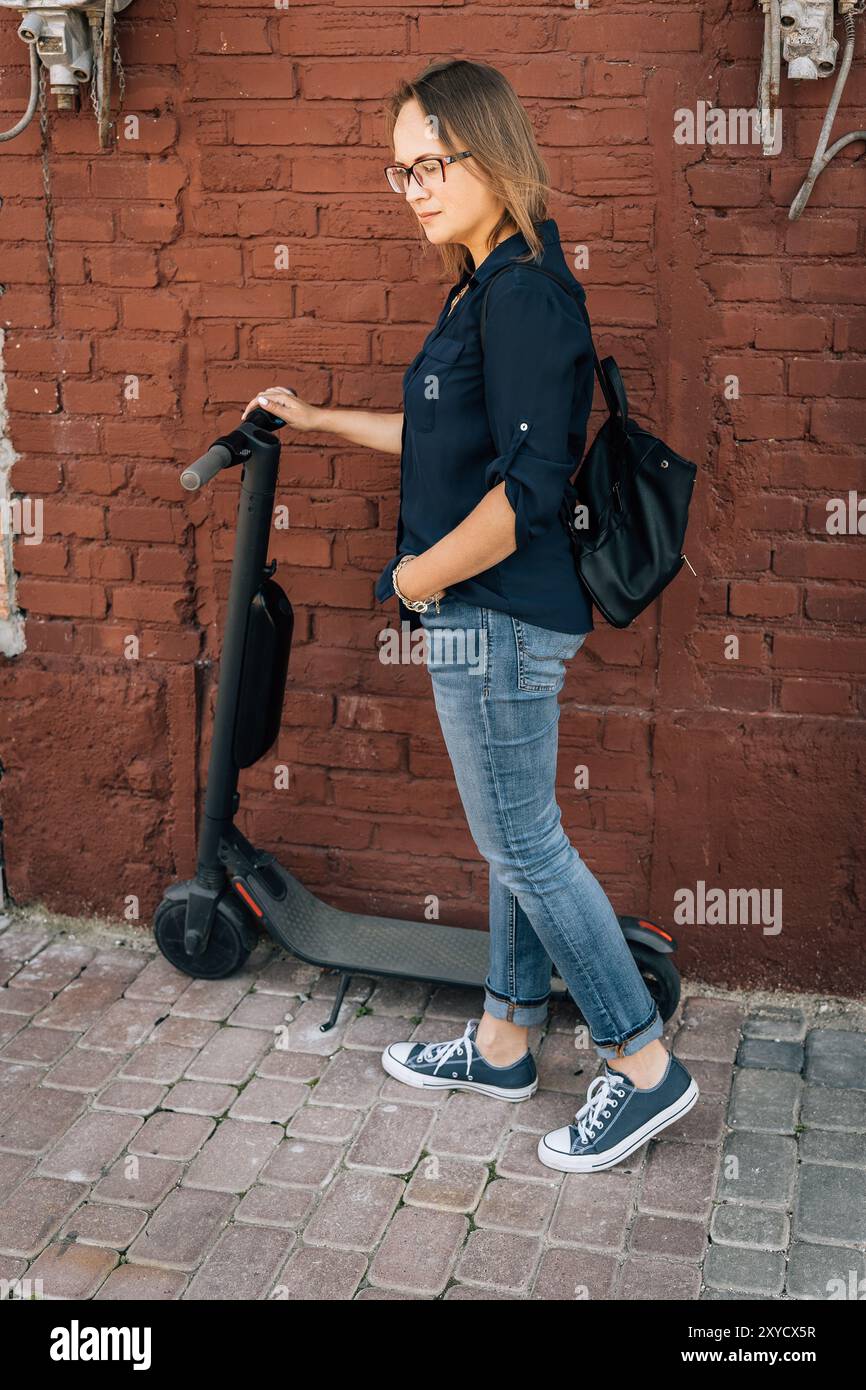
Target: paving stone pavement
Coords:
[(169, 1138)]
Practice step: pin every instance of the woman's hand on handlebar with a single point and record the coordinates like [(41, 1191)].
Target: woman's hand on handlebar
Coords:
[(286, 406)]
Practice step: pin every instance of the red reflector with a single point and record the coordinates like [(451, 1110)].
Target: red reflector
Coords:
[(242, 893), (651, 926)]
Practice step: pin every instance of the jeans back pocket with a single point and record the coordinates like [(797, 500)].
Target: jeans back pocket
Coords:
[(542, 653)]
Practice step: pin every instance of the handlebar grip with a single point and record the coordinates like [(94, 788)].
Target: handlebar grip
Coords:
[(205, 468)]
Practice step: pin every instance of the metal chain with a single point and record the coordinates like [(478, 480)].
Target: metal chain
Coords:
[(118, 67), (96, 42), (117, 62), (46, 178)]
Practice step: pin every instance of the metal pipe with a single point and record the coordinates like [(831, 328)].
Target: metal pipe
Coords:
[(822, 155), (34, 97)]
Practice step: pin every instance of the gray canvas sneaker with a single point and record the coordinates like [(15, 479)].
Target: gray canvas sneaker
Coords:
[(458, 1065), (617, 1118)]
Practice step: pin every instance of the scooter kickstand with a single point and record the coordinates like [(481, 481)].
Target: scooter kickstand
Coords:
[(341, 994)]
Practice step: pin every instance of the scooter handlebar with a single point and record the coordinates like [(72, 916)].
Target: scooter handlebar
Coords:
[(205, 468)]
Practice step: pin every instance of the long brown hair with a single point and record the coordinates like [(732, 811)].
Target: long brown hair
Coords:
[(477, 109)]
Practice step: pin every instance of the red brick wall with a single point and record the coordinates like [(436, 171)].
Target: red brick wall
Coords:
[(259, 128)]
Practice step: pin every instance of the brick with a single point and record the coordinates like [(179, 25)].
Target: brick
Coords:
[(35, 1212), (233, 1157), (182, 1229), (38, 1119), (92, 1143), (355, 1211), (172, 1136), (419, 1251), (243, 1264)]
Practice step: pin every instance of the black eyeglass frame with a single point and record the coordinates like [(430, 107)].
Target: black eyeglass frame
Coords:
[(441, 160)]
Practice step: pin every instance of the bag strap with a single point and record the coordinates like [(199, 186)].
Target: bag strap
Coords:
[(612, 387)]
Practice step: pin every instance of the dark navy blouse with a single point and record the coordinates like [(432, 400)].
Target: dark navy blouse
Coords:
[(517, 412)]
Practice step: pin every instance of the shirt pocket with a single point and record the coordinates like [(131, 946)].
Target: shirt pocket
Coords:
[(426, 391)]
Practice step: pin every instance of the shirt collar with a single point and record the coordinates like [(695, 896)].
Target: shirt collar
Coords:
[(507, 250)]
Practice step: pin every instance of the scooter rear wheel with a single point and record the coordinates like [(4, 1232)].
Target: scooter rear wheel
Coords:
[(226, 951)]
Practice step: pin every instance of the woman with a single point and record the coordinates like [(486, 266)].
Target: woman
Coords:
[(487, 442)]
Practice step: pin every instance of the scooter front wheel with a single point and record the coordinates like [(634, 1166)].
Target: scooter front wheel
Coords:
[(660, 976), (228, 947)]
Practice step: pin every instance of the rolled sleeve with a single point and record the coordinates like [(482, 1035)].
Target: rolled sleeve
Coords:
[(537, 356)]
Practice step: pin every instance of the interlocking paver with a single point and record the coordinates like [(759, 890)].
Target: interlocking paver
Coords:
[(32, 1044), (320, 1275), (391, 1138), (270, 1102), (122, 1027), (23, 1001), (297, 1162), (286, 1207), (350, 1078), (39, 1119), (164, 1138), (13, 1168), (80, 1070), (53, 967), (521, 1207), (419, 1250), (447, 1184), (759, 1168), (90, 1146), (158, 1062), (112, 1227), (230, 1056), (81, 1004), (499, 1260), (168, 1135), (679, 1179), (182, 1229), (836, 1057), (212, 999), (131, 1097), (16, 1078), (34, 1211), (831, 1204), (141, 1284), (200, 1097), (355, 1211), (184, 1032), (138, 1182), (822, 1271), (243, 1264), (565, 1274), (267, 1011), (470, 1125), (594, 1209), (657, 1281), (233, 1157), (69, 1270)]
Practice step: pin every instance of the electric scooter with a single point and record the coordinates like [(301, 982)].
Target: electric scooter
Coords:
[(208, 925)]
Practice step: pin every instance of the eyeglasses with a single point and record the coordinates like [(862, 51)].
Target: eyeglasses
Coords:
[(427, 172)]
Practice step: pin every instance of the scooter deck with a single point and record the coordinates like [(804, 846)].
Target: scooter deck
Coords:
[(357, 943)]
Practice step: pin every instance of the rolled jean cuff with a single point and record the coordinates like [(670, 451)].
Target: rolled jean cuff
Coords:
[(647, 1033), (525, 1015)]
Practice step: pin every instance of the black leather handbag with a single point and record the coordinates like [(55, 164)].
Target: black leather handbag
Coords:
[(627, 510)]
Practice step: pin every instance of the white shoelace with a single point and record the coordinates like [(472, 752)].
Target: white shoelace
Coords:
[(600, 1094), (444, 1051)]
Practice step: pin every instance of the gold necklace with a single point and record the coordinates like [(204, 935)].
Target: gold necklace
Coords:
[(457, 297)]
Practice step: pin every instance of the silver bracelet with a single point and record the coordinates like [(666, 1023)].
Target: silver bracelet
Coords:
[(417, 605)]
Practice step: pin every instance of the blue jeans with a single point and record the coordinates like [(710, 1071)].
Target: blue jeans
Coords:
[(496, 682)]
